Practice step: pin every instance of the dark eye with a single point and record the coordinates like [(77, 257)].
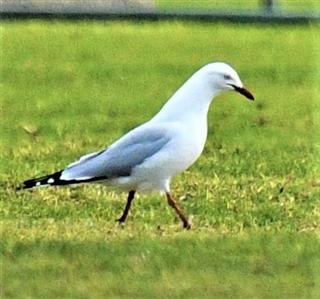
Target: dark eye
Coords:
[(227, 77)]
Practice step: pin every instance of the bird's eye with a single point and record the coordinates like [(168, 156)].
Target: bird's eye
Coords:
[(227, 77)]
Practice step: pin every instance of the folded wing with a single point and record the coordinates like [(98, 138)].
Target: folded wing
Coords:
[(119, 159)]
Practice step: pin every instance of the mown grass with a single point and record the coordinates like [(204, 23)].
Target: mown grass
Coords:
[(245, 5), (179, 267), (70, 88)]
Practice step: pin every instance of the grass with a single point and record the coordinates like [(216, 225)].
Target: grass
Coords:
[(70, 88), (157, 268), (244, 5)]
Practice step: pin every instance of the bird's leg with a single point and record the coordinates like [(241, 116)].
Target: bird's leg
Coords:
[(123, 218), (174, 204)]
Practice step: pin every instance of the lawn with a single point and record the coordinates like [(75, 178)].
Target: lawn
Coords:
[(236, 5), (71, 88)]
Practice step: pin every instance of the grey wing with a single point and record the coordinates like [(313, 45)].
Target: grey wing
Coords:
[(120, 158)]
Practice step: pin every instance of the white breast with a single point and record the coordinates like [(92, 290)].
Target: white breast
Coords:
[(181, 152)]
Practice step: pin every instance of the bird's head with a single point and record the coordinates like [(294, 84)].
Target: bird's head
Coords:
[(223, 78)]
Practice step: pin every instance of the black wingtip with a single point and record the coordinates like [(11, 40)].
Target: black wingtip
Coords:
[(25, 185), (54, 180), (50, 179), (19, 188)]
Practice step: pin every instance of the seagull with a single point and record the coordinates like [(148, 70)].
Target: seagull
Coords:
[(149, 156)]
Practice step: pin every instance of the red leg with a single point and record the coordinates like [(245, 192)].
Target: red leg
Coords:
[(174, 204)]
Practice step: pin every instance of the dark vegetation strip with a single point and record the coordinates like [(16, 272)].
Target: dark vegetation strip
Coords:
[(274, 18)]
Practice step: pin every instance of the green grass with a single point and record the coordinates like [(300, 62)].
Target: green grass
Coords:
[(243, 5), (70, 88), (221, 267)]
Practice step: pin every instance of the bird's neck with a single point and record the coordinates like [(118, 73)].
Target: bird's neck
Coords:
[(191, 100)]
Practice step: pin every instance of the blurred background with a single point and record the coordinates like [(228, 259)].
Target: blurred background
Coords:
[(257, 10)]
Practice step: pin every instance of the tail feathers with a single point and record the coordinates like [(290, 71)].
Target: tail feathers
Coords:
[(54, 180)]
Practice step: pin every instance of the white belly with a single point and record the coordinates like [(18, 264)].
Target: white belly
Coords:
[(155, 173)]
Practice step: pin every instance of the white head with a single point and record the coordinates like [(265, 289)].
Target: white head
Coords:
[(196, 94), (222, 77)]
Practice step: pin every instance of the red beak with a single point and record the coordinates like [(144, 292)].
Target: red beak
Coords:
[(244, 92)]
